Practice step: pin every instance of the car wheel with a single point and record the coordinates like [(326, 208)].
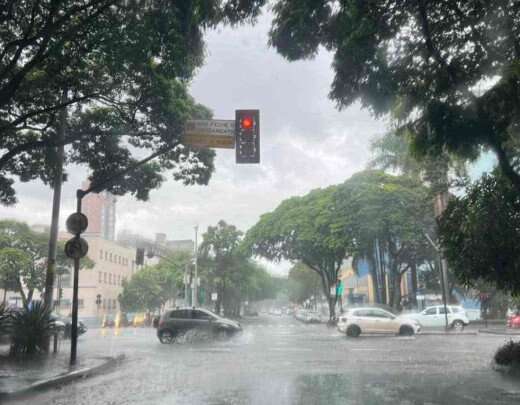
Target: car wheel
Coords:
[(167, 336), (458, 325), (353, 331), (406, 330)]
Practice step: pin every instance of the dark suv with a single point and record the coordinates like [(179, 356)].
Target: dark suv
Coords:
[(177, 321)]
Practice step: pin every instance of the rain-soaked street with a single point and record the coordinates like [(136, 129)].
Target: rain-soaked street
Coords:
[(277, 360)]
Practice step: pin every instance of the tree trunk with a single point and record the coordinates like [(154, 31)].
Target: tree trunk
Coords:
[(414, 284), (396, 290), (505, 165), (56, 201)]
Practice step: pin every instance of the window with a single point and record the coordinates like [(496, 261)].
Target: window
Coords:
[(109, 304), (442, 311), (101, 254), (381, 314), (106, 255), (119, 280), (455, 309), (105, 278), (431, 311), (110, 256), (104, 303), (80, 303), (201, 315), (110, 278), (114, 304), (181, 314), (100, 277)]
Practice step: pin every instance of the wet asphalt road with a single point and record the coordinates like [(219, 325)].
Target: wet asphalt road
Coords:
[(277, 360)]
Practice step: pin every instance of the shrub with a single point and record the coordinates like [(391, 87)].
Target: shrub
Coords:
[(31, 329), (508, 355)]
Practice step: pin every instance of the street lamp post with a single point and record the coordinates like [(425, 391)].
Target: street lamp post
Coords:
[(443, 280)]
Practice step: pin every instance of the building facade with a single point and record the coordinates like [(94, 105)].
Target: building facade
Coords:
[(113, 264), (100, 209)]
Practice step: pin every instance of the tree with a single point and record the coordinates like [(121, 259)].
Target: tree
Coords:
[(122, 67), (393, 211), (150, 288), (448, 71), (23, 256), (220, 256), (303, 283), (480, 231), (306, 229)]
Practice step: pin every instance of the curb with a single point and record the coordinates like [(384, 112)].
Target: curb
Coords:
[(447, 333), (499, 332), (65, 378)]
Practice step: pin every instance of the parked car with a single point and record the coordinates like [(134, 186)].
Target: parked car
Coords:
[(513, 320), (64, 325), (434, 317), (312, 317), (177, 321), (276, 312), (375, 320), (108, 321), (139, 319)]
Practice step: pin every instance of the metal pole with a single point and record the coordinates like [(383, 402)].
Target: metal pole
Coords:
[(75, 288), (194, 298), (444, 298)]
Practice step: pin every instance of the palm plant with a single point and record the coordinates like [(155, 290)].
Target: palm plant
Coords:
[(31, 329)]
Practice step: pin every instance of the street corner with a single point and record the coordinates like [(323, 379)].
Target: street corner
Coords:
[(24, 384)]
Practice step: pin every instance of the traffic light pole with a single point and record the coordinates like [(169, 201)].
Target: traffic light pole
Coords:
[(75, 288), (79, 196)]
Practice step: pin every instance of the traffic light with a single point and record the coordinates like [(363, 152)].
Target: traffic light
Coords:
[(139, 256), (247, 134)]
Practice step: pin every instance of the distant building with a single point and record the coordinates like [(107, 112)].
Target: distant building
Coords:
[(100, 209), (160, 245)]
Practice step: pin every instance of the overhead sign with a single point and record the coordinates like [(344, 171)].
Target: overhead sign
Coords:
[(77, 223), (76, 248), (210, 134)]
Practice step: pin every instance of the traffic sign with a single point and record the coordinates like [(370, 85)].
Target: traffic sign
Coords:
[(214, 296), (76, 248), (77, 223), (210, 134)]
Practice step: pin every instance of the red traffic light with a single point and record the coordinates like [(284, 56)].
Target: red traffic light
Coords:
[(246, 123)]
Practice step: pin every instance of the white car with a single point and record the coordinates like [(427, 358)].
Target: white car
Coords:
[(375, 320), (434, 317)]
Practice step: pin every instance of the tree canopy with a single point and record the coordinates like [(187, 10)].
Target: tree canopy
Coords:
[(122, 68), (480, 231), (308, 229), (448, 71), (23, 259)]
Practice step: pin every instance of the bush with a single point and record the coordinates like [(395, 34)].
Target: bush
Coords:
[(508, 355), (31, 329)]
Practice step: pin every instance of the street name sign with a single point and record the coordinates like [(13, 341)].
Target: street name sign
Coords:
[(210, 134)]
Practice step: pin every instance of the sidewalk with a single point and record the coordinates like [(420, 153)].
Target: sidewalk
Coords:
[(21, 376)]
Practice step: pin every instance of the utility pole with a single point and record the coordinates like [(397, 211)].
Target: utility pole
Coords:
[(194, 289)]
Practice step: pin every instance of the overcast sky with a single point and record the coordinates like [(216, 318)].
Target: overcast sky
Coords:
[(305, 143)]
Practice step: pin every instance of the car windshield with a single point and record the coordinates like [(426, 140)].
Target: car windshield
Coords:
[(259, 202)]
